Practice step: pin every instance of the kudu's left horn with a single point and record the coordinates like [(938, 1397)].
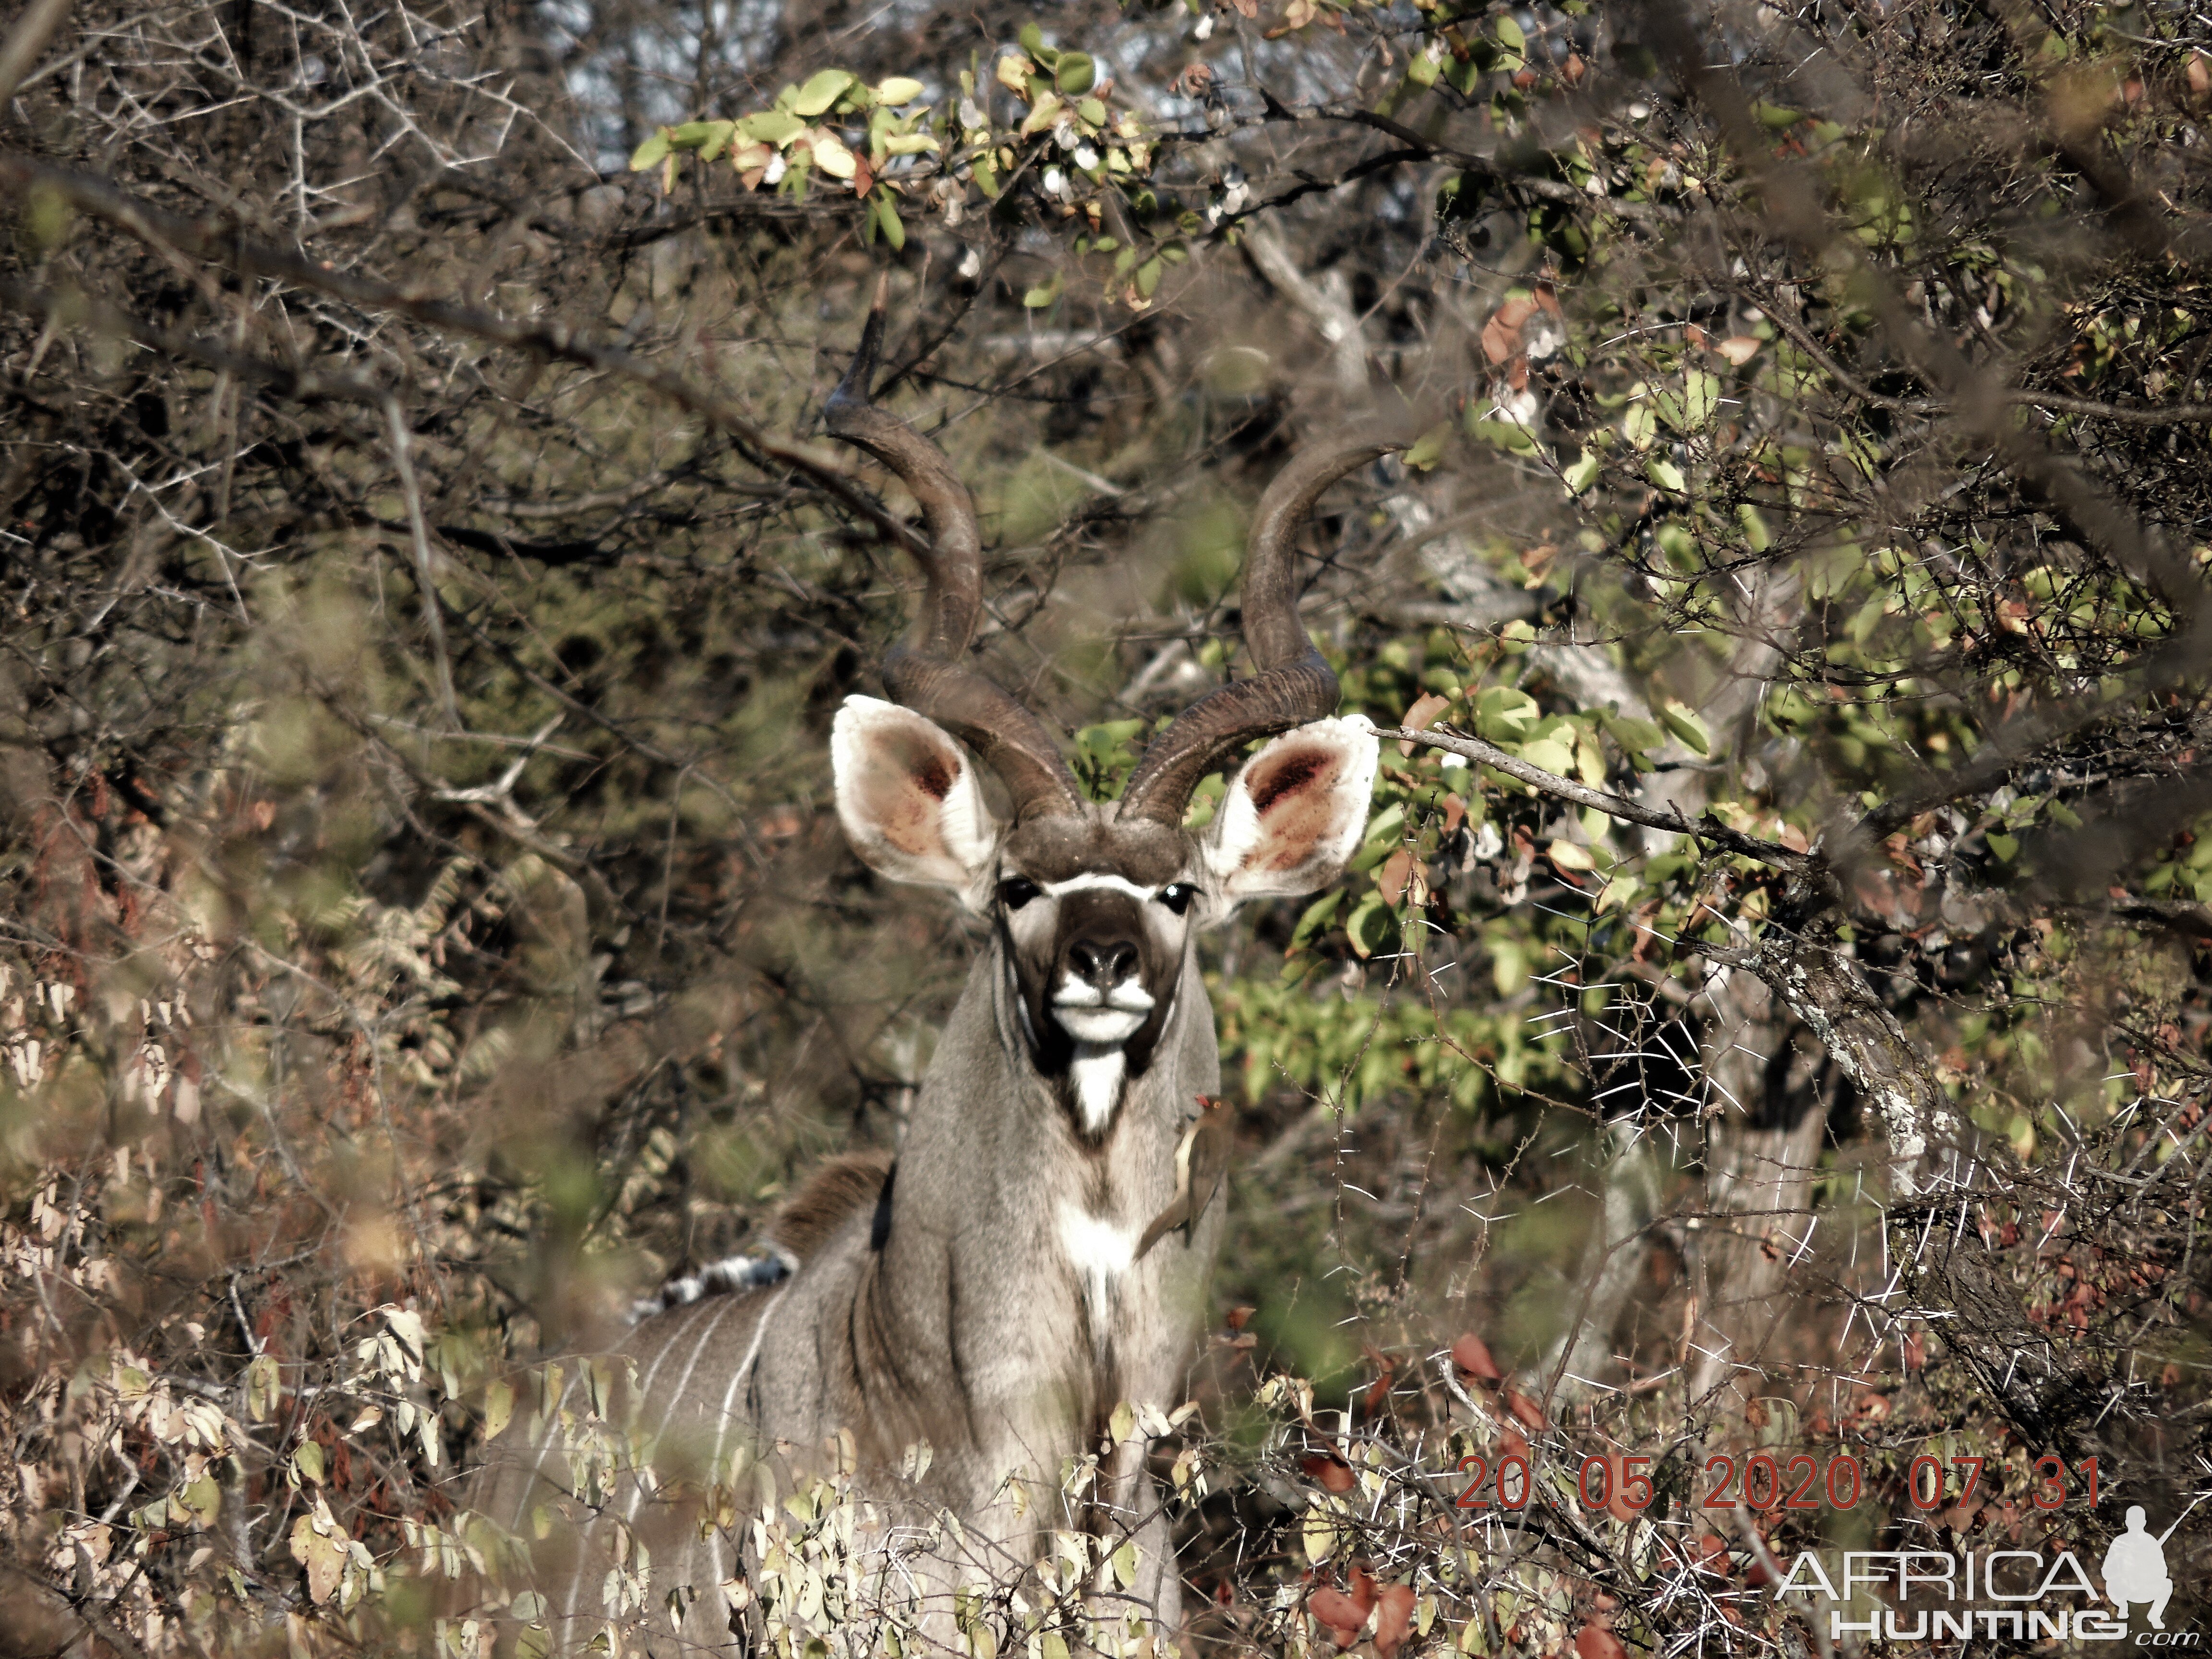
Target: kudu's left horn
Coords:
[(928, 674)]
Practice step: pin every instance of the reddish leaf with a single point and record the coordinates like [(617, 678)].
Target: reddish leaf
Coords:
[(1334, 1474), (1240, 1317), (1526, 1409), (1501, 335), (1512, 1442), (1392, 879), (1472, 1355), (1394, 1618), (1343, 1617), (1595, 1640), (1616, 1501), (1423, 714)]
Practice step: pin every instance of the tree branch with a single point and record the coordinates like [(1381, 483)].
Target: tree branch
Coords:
[(209, 239), (1619, 807)]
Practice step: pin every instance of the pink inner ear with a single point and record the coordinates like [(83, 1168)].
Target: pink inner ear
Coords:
[(905, 794), (1291, 796)]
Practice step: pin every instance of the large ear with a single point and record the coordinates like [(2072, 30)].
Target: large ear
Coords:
[(1295, 812), (908, 796)]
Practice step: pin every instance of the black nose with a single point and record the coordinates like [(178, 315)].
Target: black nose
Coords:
[(1103, 963)]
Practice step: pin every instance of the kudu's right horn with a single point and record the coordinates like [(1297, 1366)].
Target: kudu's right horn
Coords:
[(1295, 684), (928, 674)]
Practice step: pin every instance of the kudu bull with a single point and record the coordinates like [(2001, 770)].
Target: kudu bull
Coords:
[(985, 1294)]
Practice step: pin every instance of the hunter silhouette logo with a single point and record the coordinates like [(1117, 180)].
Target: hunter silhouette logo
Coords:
[(2135, 1568)]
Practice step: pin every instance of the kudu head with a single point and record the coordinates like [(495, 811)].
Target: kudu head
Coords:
[(1093, 905)]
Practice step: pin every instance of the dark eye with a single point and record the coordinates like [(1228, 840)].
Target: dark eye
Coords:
[(1016, 891), (1178, 897)]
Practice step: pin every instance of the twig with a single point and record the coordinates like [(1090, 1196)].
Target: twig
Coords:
[(301, 384), (1618, 806), (28, 41), (419, 536)]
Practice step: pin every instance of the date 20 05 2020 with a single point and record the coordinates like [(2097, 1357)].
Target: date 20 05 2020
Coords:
[(1764, 1481)]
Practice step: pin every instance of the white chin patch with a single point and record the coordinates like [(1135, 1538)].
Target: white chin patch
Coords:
[(1097, 1024), (1096, 1074)]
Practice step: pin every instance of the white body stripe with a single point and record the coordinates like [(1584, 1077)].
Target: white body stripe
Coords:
[(1101, 1252)]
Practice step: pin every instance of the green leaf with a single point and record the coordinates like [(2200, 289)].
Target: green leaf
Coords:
[(824, 89), (1091, 110), (1503, 713), (1369, 926), (1551, 754), (499, 1408), (1075, 74), (1684, 724), (307, 1461), (1509, 435), (1508, 966), (1701, 396), (897, 89), (1635, 736), (717, 139), (1316, 916), (1665, 474), (888, 219), (1032, 40), (772, 126), (264, 1387), (1510, 35), (1582, 472), (1043, 114), (1570, 855), (650, 154), (1619, 892), (691, 134), (2005, 847), (1043, 293), (1125, 1565), (1429, 448), (1422, 71), (1148, 276)]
